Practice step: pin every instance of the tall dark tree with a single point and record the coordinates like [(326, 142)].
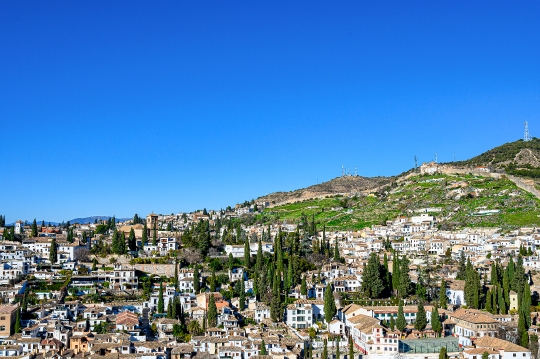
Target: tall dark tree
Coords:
[(247, 253), (212, 311), (242, 300), (154, 235), (329, 304), (421, 318), (461, 266), (351, 348), (401, 323), (372, 282), (443, 298), (53, 255), (436, 320), (160, 304), (132, 240), (263, 348), (443, 354), (213, 281), (144, 240), (196, 280), (337, 258), (34, 232), (303, 287), (405, 285), (259, 259)]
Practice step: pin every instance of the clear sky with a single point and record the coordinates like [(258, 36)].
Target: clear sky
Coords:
[(123, 107)]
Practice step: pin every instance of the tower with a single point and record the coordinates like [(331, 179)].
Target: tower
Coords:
[(415, 164), (342, 171), (526, 136), (436, 157), (355, 171)]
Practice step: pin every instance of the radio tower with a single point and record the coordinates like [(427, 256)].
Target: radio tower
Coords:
[(526, 136), (342, 171), (355, 171)]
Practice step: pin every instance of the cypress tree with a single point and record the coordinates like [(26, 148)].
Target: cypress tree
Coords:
[(144, 239), (372, 283), (336, 251), (519, 277), (461, 267), (263, 348), (395, 272), (325, 350), (511, 269), (275, 306), (494, 278), (94, 264), (400, 322), (174, 306), (392, 322), (242, 294), (53, 256), (169, 309), (212, 311), (525, 305), (443, 298), (230, 262), (160, 303), (196, 280), (154, 235), (259, 259), (246, 253), (122, 244), (303, 287), (338, 354), (488, 301), (506, 287), (405, 284), (351, 348), (176, 282), (421, 319), (494, 300), (34, 229), (443, 354), (436, 321), (132, 240), (502, 304), (18, 325), (213, 281), (329, 304)]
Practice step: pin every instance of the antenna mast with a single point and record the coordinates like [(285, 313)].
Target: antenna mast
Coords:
[(526, 136)]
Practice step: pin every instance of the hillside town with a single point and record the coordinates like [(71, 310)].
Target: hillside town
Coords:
[(204, 284)]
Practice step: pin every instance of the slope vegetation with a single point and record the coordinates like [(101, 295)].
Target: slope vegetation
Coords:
[(340, 185), (457, 201)]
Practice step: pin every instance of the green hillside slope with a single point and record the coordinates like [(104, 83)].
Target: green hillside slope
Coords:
[(459, 201)]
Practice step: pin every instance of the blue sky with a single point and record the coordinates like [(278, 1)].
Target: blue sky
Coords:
[(136, 106)]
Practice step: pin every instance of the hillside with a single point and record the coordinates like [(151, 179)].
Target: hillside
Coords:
[(520, 158), (339, 185), (457, 201)]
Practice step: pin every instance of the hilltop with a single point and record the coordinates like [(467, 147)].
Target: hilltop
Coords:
[(457, 197), (519, 157), (457, 200), (339, 185)]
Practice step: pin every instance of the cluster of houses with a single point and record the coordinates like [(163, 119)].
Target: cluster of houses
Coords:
[(56, 328)]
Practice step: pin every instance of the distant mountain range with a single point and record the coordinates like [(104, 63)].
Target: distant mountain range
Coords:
[(84, 220)]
